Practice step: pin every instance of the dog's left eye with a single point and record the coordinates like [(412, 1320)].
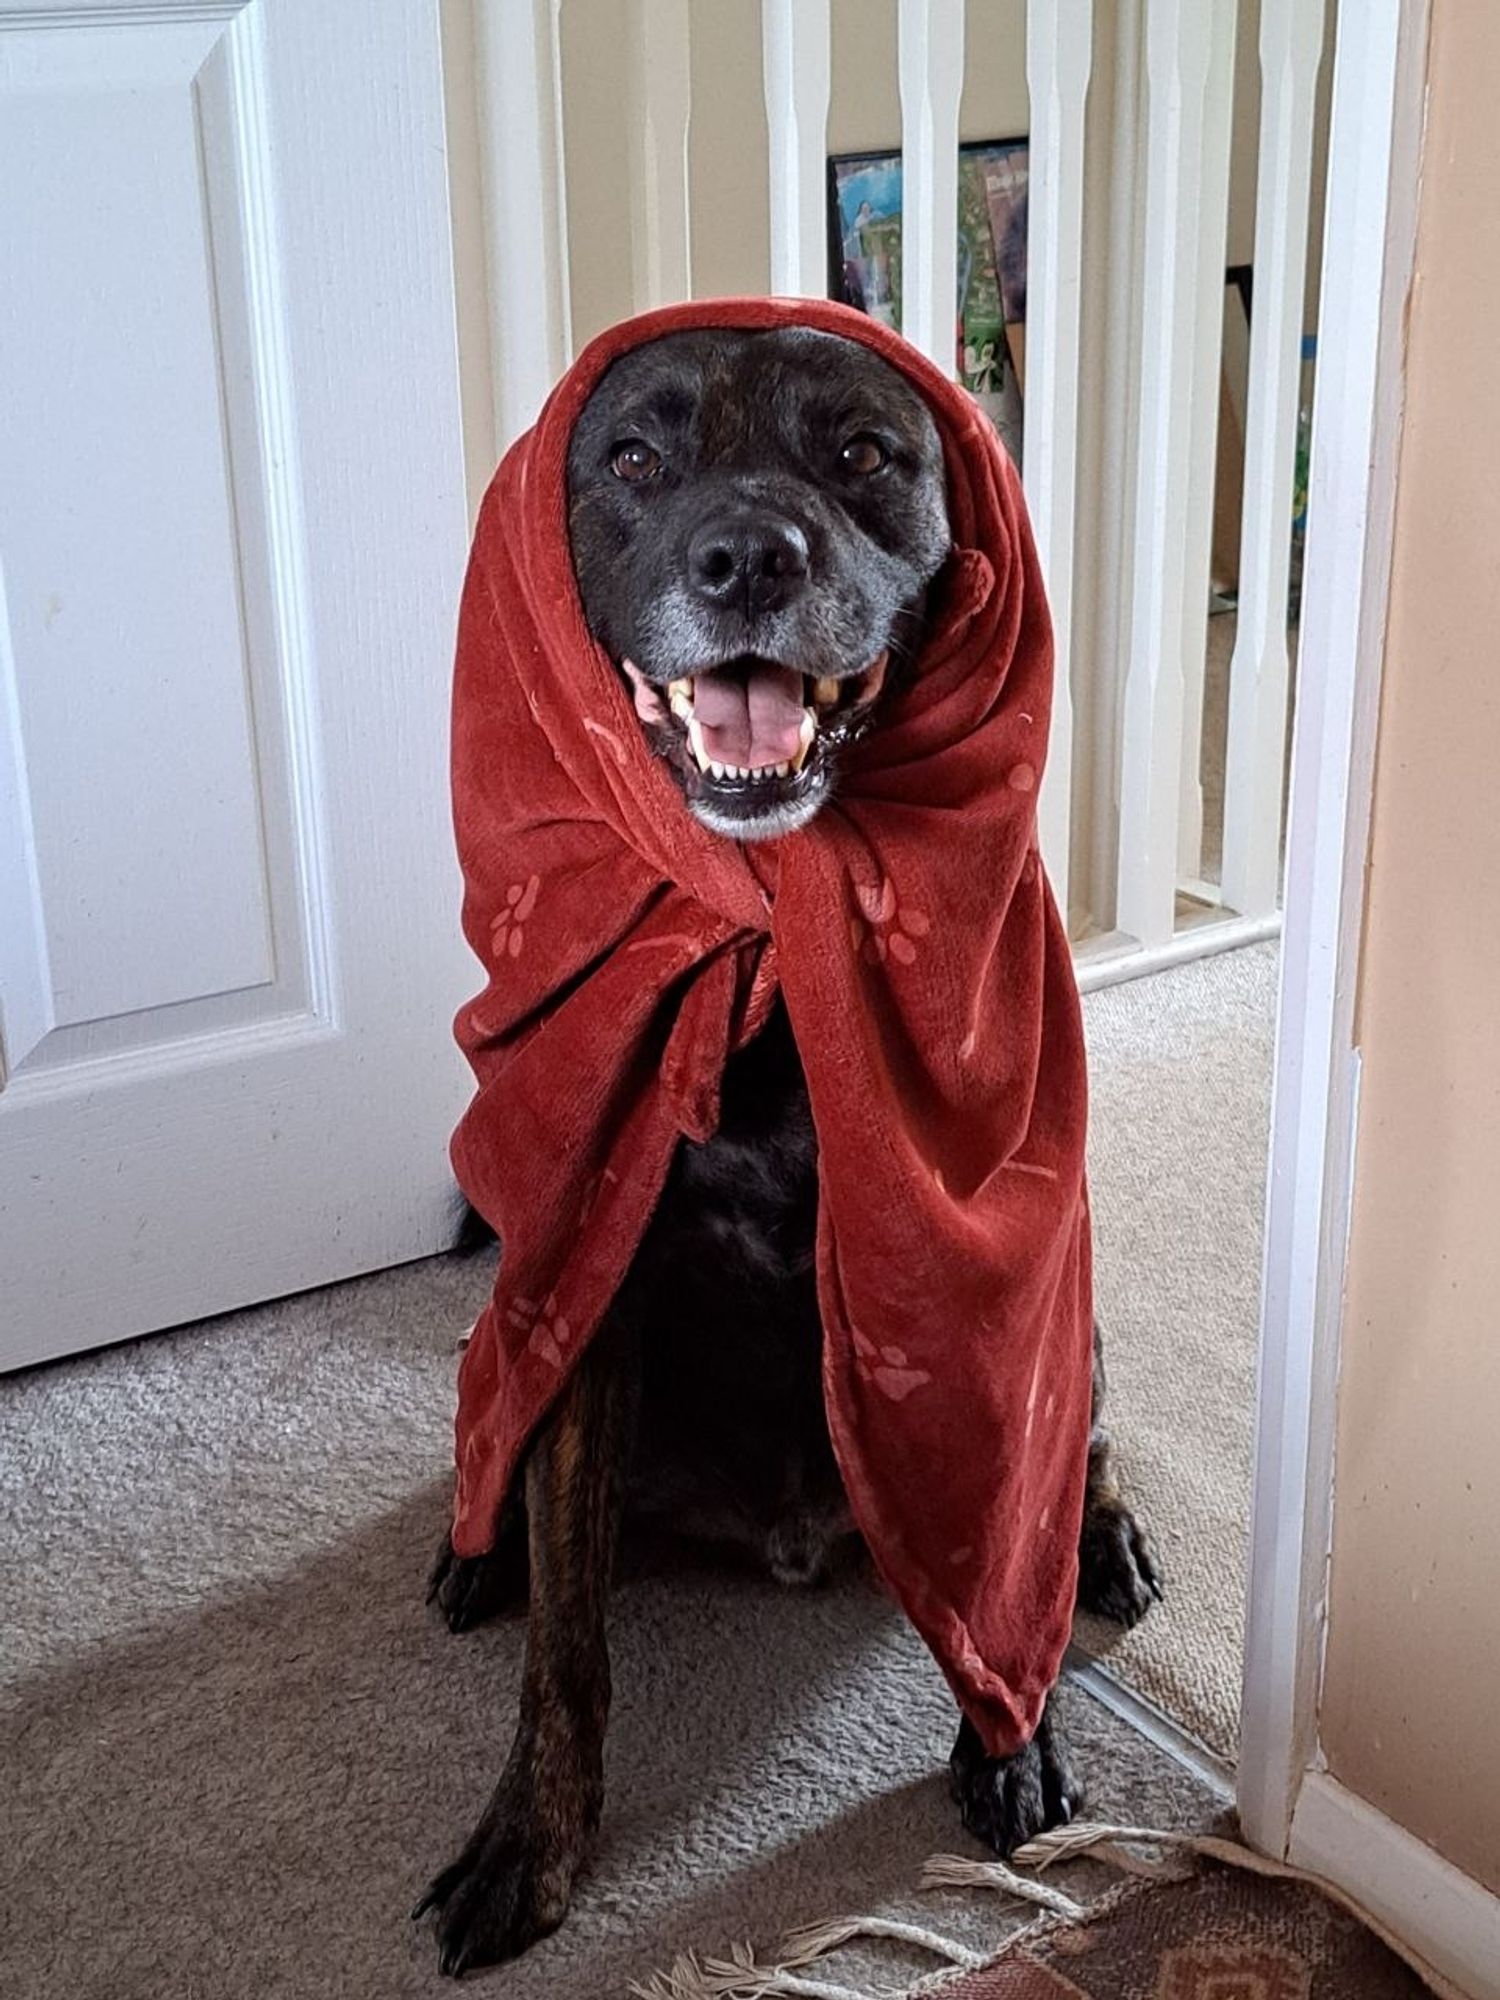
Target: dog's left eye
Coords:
[(635, 460), (863, 454)]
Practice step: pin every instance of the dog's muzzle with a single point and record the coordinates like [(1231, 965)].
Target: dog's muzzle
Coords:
[(759, 736)]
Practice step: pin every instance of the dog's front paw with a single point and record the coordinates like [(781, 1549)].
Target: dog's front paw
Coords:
[(1006, 1801), (469, 1589), (506, 1889), (1118, 1576)]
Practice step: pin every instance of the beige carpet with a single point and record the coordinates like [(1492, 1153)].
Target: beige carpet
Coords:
[(235, 1746), (1181, 1068)]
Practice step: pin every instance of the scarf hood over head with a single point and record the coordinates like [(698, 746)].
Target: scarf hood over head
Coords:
[(628, 951)]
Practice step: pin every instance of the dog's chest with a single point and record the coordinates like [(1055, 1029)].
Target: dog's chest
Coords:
[(752, 1190), (725, 1299)]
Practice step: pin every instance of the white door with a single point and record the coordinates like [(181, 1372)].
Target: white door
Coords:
[(231, 539)]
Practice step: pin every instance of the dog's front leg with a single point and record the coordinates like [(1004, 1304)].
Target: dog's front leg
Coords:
[(513, 1880), (1118, 1575), (1006, 1801)]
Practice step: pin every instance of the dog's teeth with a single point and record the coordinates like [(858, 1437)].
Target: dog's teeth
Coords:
[(683, 688), (825, 692), (783, 770), (682, 704), (719, 770), (695, 741), (809, 736)]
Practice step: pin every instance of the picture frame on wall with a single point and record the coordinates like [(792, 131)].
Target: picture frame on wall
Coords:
[(864, 263)]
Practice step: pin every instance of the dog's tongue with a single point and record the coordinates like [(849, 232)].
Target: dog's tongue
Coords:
[(750, 717)]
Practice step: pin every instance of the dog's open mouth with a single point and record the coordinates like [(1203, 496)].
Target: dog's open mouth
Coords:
[(754, 735)]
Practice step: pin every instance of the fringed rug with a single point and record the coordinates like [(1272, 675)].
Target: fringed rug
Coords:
[(1206, 1919), (1217, 1936)]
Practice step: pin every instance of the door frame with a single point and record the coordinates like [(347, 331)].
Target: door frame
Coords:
[(1369, 241), (1289, 1804)]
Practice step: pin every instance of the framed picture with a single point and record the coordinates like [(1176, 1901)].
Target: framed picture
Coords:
[(864, 263)]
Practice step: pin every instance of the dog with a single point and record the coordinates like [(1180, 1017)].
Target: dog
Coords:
[(756, 521)]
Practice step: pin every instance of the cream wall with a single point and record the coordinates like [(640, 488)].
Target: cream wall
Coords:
[(1411, 1706)]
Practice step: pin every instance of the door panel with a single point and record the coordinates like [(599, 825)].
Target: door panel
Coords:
[(122, 572), (231, 539)]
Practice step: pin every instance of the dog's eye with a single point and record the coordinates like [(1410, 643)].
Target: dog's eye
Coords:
[(635, 460), (863, 455)]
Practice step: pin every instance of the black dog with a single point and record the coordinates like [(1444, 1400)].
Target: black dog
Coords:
[(757, 520)]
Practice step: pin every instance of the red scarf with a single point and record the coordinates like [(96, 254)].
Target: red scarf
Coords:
[(628, 951)]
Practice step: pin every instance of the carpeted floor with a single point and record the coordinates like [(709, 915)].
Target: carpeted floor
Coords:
[(235, 1745), (1181, 1075)]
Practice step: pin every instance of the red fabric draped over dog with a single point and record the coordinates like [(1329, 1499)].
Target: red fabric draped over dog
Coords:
[(927, 977)]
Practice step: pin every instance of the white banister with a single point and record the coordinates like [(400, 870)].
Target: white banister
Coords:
[(662, 92), (796, 40), (1291, 44), (1180, 63), (1059, 55), (525, 208), (1203, 385), (930, 61)]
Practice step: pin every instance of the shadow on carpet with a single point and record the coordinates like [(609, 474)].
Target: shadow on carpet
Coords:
[(246, 1800), (236, 1745)]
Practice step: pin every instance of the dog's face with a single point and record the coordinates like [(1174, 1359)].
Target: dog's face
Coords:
[(754, 520)]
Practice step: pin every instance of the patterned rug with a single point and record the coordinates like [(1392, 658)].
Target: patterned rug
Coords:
[(1217, 1935)]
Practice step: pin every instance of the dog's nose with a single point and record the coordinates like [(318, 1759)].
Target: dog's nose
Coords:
[(747, 558)]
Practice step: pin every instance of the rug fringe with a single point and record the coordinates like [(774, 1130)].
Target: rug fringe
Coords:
[(1116, 1845), (815, 1940), (742, 1977), (1151, 1852), (961, 1871)]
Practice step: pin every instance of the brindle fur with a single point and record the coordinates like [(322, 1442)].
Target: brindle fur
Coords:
[(726, 1437), (513, 1880)]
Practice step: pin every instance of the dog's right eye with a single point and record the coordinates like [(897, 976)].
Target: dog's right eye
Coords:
[(864, 454), (634, 461)]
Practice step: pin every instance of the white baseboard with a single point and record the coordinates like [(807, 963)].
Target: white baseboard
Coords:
[(1111, 959), (1446, 1916)]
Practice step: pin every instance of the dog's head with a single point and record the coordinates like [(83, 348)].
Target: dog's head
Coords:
[(755, 518)]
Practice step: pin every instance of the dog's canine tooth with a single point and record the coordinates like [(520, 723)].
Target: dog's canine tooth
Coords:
[(808, 738), (682, 687), (698, 746), (681, 704), (825, 692)]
